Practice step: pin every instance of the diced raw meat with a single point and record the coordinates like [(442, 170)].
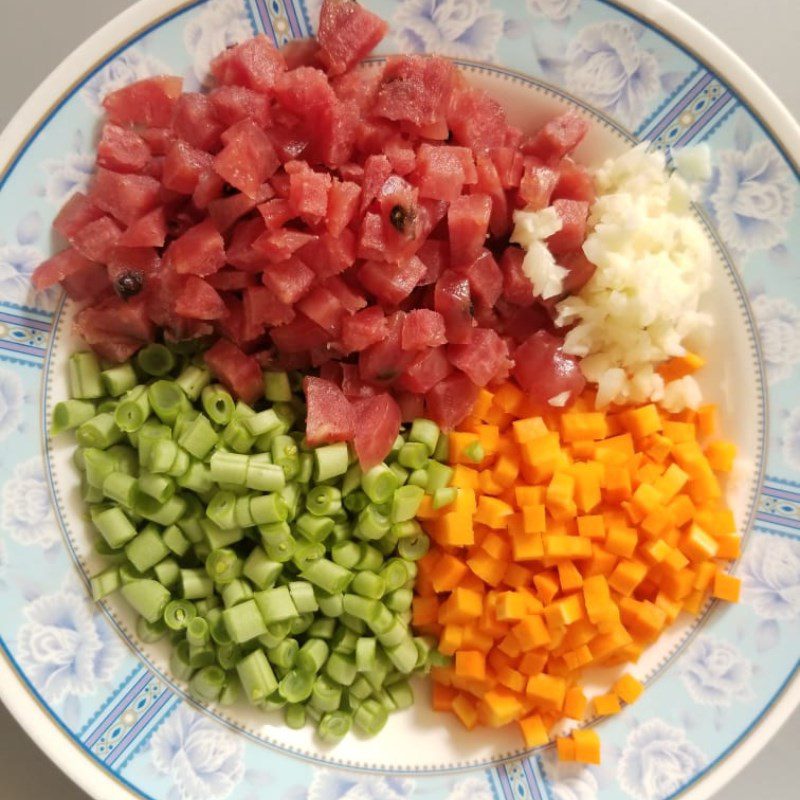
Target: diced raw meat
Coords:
[(347, 33), (485, 279), (352, 385), (517, 288), (148, 102), (343, 201), (183, 167), (423, 328), (451, 400), (428, 367), (261, 308), (558, 138), (308, 192), (484, 359), (126, 197), (322, 306), (401, 155), (195, 121), (537, 184), (200, 251), (121, 149), (453, 301), (254, 64), (158, 139), (330, 417), (235, 103), (248, 158), (198, 300), (96, 240), (239, 372), (415, 89), (78, 211), (299, 336), (148, 231), (144, 260), (391, 283), (468, 225), (289, 280), (363, 329), (378, 421), (544, 371), (574, 214), (519, 323), (210, 187)]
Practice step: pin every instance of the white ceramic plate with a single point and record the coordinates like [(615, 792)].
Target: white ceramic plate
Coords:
[(716, 686)]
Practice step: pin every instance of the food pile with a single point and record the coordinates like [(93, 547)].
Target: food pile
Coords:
[(329, 306)]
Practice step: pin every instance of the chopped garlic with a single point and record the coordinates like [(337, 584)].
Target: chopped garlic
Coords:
[(531, 229), (560, 400), (693, 163), (653, 263)]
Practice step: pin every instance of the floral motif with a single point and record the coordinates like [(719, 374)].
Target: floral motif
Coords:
[(128, 67), (475, 787), (771, 577), (335, 785), (69, 174), (752, 195), (569, 781), (607, 67), (3, 560), (203, 760), (11, 396), (219, 24), (18, 259), (778, 323), (65, 647), (657, 760), (790, 441), (27, 513), (715, 673), (458, 28), (557, 10)]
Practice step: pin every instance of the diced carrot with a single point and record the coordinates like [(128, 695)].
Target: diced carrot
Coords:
[(470, 664), (627, 575), (483, 403), (465, 710), (729, 547), (531, 632), (460, 442), (448, 572), (680, 366), (617, 484), (547, 586), (628, 689), (533, 518), (510, 606), (606, 704), (569, 576), (451, 639), (464, 478), (721, 456), (442, 697), (588, 425), (424, 610), (534, 731), (706, 421), (726, 587), (547, 690), (528, 430), (488, 569), (642, 421), (587, 746), (592, 526), (565, 748), (679, 432), (509, 398)]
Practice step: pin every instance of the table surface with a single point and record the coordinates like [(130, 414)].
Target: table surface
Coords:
[(766, 41)]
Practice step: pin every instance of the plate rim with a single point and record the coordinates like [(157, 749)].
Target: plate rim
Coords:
[(22, 699)]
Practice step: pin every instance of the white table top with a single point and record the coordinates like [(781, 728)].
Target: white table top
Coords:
[(766, 39)]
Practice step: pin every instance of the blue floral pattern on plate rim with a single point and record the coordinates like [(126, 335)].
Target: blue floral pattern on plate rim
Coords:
[(160, 746)]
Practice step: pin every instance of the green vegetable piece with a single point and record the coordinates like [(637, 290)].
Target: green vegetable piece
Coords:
[(258, 679), (155, 359), (147, 597), (244, 621), (84, 376)]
